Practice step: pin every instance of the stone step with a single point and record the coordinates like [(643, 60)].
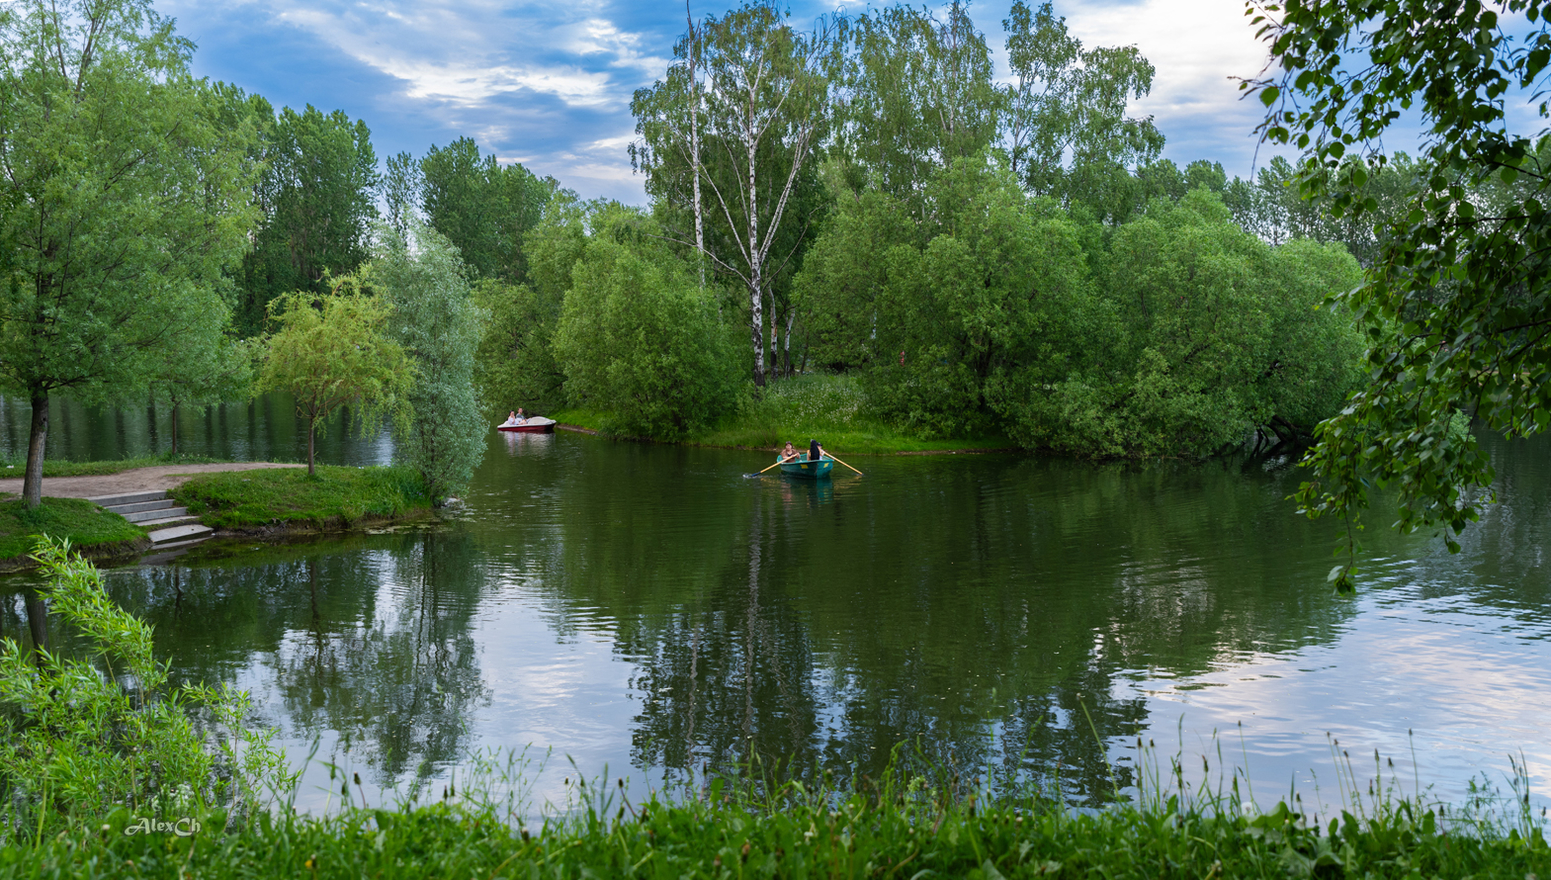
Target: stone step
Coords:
[(129, 498), (166, 553), (145, 516), (152, 525), (125, 510), (178, 533)]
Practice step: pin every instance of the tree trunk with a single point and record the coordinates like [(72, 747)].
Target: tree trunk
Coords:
[(694, 142), (311, 422), (32, 480), (37, 623), (756, 282), (791, 319), (174, 426)]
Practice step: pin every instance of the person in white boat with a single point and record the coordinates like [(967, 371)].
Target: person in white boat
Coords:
[(515, 418)]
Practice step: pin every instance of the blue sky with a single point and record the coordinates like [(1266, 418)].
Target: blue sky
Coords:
[(549, 83)]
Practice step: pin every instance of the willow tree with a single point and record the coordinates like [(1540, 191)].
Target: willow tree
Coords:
[(739, 118), (438, 325), (121, 203), (335, 350)]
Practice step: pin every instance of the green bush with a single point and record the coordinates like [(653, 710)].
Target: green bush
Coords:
[(86, 737)]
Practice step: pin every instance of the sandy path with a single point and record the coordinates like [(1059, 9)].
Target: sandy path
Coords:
[(137, 480)]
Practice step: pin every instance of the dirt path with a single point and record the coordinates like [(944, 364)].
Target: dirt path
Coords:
[(137, 480)]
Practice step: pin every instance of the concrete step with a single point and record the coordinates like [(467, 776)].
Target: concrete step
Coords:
[(166, 553), (145, 516), (126, 509), (129, 498), (152, 525), (179, 533)]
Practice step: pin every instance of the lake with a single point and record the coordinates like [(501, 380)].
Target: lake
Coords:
[(649, 611)]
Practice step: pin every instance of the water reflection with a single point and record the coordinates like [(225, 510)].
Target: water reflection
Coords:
[(651, 606), (264, 429)]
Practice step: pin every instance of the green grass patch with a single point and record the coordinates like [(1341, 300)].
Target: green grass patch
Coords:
[(82, 522), (831, 409), (58, 468), (336, 496), (888, 828)]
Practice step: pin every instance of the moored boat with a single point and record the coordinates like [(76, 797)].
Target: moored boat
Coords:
[(811, 470), (530, 425)]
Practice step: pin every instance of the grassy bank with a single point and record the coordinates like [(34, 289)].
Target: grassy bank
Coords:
[(886, 830), (13, 467), (86, 525), (829, 408), (335, 498)]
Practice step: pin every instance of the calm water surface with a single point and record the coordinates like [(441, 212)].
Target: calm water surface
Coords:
[(650, 610)]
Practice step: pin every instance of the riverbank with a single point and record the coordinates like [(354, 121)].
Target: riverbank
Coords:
[(272, 502), (827, 408), (93, 532), (243, 498)]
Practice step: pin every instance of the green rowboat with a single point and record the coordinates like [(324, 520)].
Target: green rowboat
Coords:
[(812, 470)]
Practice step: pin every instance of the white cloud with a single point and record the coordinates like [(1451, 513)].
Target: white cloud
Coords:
[(1195, 47)]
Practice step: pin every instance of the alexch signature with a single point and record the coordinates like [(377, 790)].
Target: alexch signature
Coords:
[(184, 827)]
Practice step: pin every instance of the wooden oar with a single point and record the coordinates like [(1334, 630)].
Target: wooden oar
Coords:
[(777, 464), (831, 455)]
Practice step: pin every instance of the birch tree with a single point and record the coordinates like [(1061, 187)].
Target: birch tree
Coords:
[(739, 118)]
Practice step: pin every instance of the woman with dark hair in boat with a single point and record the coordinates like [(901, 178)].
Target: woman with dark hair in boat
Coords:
[(510, 420), (815, 451)]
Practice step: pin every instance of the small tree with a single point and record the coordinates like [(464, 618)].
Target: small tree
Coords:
[(435, 319), (334, 350)]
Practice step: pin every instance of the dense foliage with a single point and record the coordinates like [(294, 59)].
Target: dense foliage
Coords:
[(977, 252), (1457, 303), (438, 325), (122, 200), (87, 736), (638, 338)]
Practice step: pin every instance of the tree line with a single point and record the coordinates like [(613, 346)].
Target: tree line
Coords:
[(864, 196), (985, 253)]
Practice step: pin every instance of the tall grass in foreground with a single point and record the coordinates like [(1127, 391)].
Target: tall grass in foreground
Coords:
[(910, 822)]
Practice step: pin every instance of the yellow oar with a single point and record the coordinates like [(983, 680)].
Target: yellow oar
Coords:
[(777, 464), (831, 455)]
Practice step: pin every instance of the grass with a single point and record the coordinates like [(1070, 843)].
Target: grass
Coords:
[(335, 498), (904, 824), (829, 408), (82, 522), (58, 468)]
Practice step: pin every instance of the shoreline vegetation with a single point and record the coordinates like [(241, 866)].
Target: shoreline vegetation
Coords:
[(289, 501), (266, 503), (914, 821), (96, 534), (830, 408)]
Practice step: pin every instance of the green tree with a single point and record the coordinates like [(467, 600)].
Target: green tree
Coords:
[(918, 94), (516, 364), (759, 114), (317, 194), (1456, 305), (334, 349), (438, 324), (121, 203), (1066, 130), (638, 338), (483, 207)]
